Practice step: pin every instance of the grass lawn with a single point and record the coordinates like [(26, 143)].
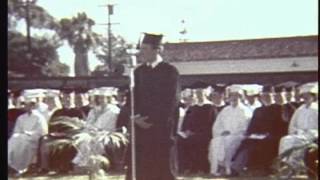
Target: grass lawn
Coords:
[(122, 177)]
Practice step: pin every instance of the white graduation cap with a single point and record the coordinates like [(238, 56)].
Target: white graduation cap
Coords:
[(104, 91), (311, 87), (91, 92), (52, 93), (31, 95), (34, 92), (315, 89), (235, 88), (186, 93), (252, 89)]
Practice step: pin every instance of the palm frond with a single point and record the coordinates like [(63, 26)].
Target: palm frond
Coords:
[(284, 169), (58, 145), (67, 118), (65, 124), (81, 137), (115, 140), (122, 137)]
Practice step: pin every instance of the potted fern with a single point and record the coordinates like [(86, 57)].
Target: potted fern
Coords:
[(73, 135)]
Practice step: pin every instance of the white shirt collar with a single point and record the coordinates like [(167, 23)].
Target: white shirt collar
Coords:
[(204, 102), (156, 62), (222, 103)]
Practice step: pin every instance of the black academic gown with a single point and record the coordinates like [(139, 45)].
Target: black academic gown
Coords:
[(184, 160), (156, 96), (199, 120), (85, 110), (261, 152)]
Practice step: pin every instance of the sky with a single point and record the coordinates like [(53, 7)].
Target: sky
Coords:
[(204, 20)]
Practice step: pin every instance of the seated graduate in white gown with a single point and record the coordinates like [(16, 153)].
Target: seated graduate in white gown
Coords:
[(29, 127), (303, 127), (228, 131), (101, 119)]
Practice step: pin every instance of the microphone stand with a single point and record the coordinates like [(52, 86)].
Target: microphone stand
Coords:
[(133, 144)]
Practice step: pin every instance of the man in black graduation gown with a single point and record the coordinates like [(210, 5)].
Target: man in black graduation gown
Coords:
[(260, 147), (197, 129), (67, 109), (81, 102), (290, 104), (156, 96)]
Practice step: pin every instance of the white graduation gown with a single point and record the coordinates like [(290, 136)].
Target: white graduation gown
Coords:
[(303, 127), (222, 148), (98, 122), (22, 148)]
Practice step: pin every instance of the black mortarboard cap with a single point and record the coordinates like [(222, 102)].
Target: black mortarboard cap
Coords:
[(138, 44), (66, 90), (152, 39), (81, 90), (16, 93), (219, 88), (199, 84), (278, 89), (124, 88), (288, 89), (267, 89), (289, 85)]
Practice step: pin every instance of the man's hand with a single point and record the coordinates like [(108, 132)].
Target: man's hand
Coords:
[(141, 121)]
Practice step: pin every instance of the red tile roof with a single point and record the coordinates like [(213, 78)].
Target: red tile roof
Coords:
[(242, 49)]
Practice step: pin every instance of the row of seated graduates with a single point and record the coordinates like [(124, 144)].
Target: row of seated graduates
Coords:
[(194, 148), (199, 119), (64, 98), (60, 161)]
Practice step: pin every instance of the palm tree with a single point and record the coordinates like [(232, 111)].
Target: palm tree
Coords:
[(79, 35), (120, 57)]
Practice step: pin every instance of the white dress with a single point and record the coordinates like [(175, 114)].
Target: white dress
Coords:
[(22, 147), (235, 120)]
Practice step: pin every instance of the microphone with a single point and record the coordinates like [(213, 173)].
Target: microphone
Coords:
[(133, 61), (133, 57), (132, 65)]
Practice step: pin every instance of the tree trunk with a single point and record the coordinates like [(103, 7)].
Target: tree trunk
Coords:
[(81, 66)]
